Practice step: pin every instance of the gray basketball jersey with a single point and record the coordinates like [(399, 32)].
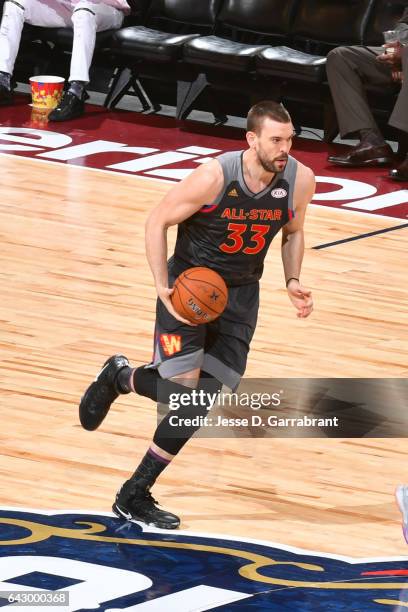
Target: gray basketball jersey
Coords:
[(232, 234)]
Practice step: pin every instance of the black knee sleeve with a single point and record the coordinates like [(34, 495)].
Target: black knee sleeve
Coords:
[(145, 382), (149, 383), (172, 436)]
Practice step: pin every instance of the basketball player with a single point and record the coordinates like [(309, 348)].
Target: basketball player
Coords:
[(269, 191), (86, 17)]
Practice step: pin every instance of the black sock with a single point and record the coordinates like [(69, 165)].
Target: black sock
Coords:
[(5, 80), (149, 470), (77, 88)]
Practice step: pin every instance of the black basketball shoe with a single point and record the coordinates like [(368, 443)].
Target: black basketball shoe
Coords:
[(99, 396), (135, 503)]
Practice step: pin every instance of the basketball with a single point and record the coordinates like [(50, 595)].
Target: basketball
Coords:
[(200, 295)]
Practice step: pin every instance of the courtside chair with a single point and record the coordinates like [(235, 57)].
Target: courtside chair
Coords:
[(225, 60), (154, 49), (318, 27)]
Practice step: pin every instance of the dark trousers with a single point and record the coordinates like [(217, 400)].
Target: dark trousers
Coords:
[(349, 69)]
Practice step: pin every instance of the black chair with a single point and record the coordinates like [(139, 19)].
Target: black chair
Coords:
[(319, 26), (156, 50), (244, 29)]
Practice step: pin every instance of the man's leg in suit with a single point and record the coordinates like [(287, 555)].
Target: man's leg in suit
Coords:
[(399, 120), (348, 70), (399, 117)]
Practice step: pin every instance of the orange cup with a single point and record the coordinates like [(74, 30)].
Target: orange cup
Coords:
[(46, 91)]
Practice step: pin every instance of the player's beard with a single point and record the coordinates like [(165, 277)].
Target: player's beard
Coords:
[(270, 165)]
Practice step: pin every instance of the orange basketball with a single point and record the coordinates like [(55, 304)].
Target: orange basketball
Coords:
[(200, 295)]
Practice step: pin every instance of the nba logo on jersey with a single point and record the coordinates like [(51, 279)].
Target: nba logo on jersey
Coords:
[(279, 193)]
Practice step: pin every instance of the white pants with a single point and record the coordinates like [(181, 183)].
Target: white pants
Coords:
[(96, 17)]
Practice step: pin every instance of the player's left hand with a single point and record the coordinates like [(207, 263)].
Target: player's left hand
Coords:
[(301, 298)]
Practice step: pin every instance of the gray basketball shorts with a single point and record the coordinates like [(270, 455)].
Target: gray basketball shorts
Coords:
[(219, 348)]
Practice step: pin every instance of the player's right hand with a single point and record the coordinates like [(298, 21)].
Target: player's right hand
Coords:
[(164, 294)]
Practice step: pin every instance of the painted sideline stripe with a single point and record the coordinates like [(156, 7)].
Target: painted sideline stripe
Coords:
[(169, 182), (360, 236)]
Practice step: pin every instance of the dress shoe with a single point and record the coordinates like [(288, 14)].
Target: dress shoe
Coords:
[(70, 107), (6, 96), (400, 173), (364, 155)]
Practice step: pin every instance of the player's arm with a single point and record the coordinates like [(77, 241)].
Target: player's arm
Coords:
[(201, 187), (293, 243)]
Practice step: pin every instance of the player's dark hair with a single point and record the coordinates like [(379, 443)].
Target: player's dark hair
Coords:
[(264, 109)]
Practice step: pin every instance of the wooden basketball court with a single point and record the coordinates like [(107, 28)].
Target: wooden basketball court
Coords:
[(76, 288)]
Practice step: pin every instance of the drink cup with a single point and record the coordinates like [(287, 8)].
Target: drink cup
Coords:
[(390, 36), (403, 37)]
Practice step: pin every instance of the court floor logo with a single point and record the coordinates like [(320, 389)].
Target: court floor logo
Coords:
[(109, 565), (363, 193)]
